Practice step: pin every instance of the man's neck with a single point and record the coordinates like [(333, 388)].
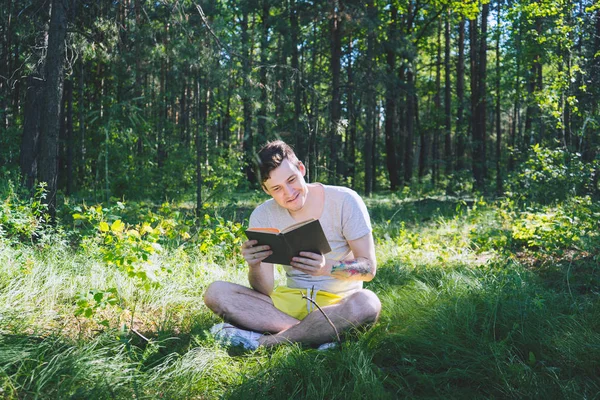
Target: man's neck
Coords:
[(313, 208)]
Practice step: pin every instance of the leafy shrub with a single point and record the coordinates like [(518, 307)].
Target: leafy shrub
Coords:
[(551, 175), (572, 225), (21, 218)]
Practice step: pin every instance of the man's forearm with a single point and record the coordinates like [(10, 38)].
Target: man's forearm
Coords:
[(360, 269), (261, 279)]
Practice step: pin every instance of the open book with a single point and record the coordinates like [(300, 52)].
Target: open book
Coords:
[(303, 236)]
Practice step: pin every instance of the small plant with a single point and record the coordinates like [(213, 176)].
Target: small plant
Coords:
[(24, 220)]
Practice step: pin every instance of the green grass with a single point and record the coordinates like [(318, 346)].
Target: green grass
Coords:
[(473, 307)]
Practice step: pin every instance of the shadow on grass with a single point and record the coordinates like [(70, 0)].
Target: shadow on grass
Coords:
[(417, 210)]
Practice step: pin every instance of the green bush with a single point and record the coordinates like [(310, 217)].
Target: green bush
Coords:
[(551, 175)]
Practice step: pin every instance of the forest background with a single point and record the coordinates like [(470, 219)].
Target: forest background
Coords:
[(127, 138)]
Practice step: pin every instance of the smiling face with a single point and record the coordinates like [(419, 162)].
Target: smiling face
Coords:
[(287, 186)]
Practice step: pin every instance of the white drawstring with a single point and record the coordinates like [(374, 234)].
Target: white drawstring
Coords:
[(311, 294)]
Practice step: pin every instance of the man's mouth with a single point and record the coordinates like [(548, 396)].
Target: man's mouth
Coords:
[(294, 198)]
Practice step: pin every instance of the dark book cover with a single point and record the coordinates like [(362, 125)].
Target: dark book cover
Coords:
[(303, 236)]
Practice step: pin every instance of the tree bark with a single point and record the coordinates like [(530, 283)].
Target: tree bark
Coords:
[(31, 131), (499, 189), (248, 140), (447, 100), (350, 155), (335, 107), (264, 59), (50, 118), (460, 93), (370, 96), (69, 136), (391, 93), (437, 101)]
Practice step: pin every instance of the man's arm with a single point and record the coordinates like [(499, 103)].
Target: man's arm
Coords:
[(364, 265), (260, 275), (262, 278), (362, 268)]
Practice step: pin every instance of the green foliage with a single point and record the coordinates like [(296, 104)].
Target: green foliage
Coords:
[(23, 218), (480, 299), (569, 226), (550, 175)]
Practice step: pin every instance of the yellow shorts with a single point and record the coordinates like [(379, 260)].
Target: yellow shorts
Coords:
[(290, 300)]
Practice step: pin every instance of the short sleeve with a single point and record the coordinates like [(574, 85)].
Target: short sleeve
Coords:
[(258, 218), (356, 222)]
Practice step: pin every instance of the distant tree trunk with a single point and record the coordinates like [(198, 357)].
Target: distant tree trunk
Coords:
[(264, 60), (336, 106), (516, 117), (81, 117), (138, 76), (391, 93), (301, 142), (460, 93), (70, 143), (200, 118), (31, 131), (499, 189), (411, 118), (370, 104), (478, 68), (350, 155), (248, 140), (50, 117), (481, 113), (437, 101), (447, 100)]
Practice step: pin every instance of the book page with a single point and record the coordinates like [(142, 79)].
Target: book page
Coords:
[(298, 225), (265, 230)]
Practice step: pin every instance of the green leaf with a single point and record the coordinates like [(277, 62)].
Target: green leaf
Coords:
[(117, 226), (103, 226)]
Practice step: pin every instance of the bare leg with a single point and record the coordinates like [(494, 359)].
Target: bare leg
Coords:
[(246, 308), (357, 309)]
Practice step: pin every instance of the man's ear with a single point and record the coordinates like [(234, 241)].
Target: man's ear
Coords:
[(262, 185), (301, 168)]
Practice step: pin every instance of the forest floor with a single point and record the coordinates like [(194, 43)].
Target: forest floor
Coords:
[(480, 300)]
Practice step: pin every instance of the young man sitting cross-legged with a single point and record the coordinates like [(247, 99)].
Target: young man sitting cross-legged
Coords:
[(283, 315)]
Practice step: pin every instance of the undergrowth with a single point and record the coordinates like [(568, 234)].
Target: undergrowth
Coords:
[(480, 300)]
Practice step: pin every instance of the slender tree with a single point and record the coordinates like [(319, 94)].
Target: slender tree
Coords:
[(50, 117)]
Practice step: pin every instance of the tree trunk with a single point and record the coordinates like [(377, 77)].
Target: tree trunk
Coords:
[(50, 117), (248, 140), (411, 117), (370, 96), (447, 100), (31, 131), (499, 189), (481, 113), (335, 105), (437, 101), (70, 143), (201, 112), (264, 59), (301, 140), (350, 155), (391, 93), (460, 93)]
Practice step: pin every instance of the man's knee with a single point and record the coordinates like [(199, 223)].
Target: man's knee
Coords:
[(214, 294), (364, 307)]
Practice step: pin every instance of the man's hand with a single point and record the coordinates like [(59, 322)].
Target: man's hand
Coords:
[(253, 254), (311, 263)]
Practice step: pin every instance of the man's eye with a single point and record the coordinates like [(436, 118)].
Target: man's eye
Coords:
[(292, 179)]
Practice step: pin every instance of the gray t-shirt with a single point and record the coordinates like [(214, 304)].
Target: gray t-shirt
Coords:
[(345, 217)]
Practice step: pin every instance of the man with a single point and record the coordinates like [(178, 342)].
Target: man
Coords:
[(333, 281)]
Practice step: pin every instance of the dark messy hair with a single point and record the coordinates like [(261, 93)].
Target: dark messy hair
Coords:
[(272, 155)]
